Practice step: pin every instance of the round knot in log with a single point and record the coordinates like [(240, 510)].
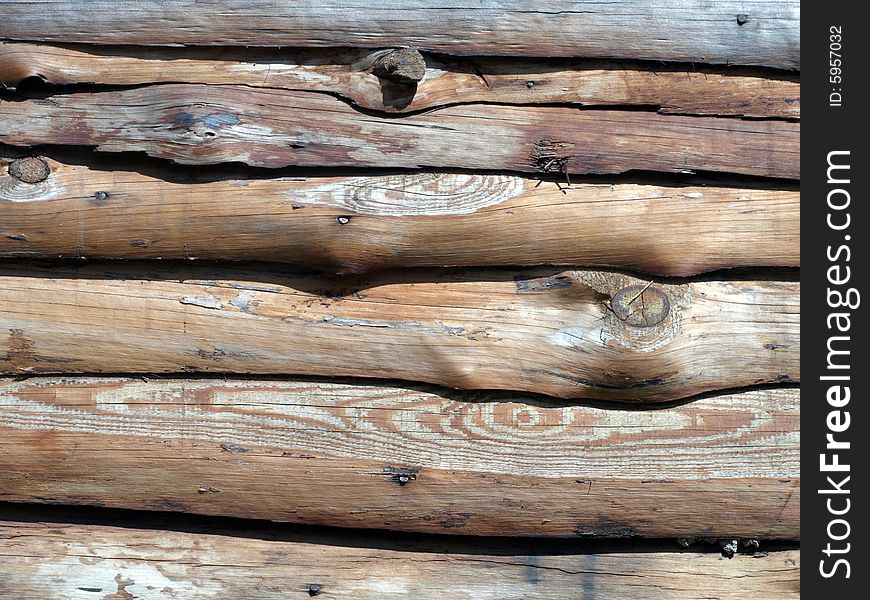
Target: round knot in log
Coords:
[(406, 65), (30, 169), (641, 306)]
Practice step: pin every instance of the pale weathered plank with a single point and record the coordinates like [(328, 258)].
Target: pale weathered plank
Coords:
[(570, 334), (410, 220), (672, 88), (754, 32), (40, 560), (335, 454), (206, 124)]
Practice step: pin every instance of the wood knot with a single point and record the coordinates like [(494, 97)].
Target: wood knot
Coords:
[(640, 306), (406, 66), (30, 169)]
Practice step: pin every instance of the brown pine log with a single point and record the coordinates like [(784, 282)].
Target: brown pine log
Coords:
[(571, 334), (42, 560), (205, 124), (695, 89), (410, 220), (754, 32), (405, 458)]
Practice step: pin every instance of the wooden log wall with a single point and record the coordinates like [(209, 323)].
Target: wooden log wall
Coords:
[(395, 221), (569, 334), (198, 124), (406, 458), (478, 271), (705, 90), (122, 562), (752, 32)]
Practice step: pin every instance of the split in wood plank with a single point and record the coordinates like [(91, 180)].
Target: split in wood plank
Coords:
[(356, 224), (205, 124), (405, 458), (570, 334), (752, 32), (447, 81), (40, 560)]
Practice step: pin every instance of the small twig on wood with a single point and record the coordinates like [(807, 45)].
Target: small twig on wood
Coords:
[(639, 294)]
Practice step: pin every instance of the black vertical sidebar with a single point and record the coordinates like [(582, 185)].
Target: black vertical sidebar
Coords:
[(835, 421)]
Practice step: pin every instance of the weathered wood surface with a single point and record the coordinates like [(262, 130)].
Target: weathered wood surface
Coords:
[(41, 560), (334, 454), (754, 32), (569, 334), (410, 220), (207, 124), (695, 89)]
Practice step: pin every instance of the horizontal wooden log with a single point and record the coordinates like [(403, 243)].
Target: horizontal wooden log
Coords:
[(411, 220), (569, 334), (405, 458), (754, 32), (673, 88), (39, 560), (207, 124)]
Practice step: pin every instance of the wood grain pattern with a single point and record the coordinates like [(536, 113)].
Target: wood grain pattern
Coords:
[(82, 561), (755, 32), (207, 124), (409, 220), (745, 434), (698, 89), (558, 333), (333, 453)]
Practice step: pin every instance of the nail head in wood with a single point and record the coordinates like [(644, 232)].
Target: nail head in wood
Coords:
[(30, 169), (406, 65), (401, 476)]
